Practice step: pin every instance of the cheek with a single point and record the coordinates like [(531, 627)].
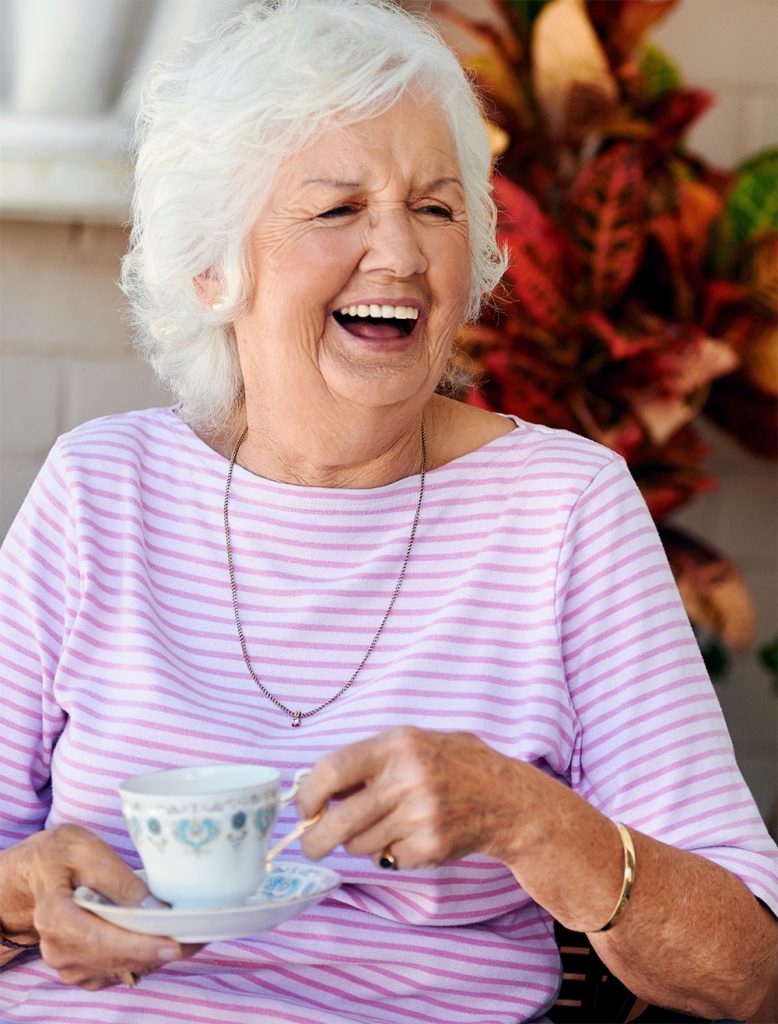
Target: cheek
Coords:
[(452, 275), (322, 258)]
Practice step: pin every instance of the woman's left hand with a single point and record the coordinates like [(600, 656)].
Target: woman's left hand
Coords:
[(428, 797)]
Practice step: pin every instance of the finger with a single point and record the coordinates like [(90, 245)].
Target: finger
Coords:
[(75, 938), (85, 978), (96, 984), (190, 948), (348, 768), (106, 873), (415, 825), (413, 852), (343, 821)]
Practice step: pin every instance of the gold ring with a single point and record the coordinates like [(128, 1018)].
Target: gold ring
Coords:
[(387, 860), (130, 980)]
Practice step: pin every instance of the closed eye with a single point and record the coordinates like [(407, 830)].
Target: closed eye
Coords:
[(339, 211), (435, 211)]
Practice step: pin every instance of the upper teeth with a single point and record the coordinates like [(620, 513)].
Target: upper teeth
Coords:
[(387, 312)]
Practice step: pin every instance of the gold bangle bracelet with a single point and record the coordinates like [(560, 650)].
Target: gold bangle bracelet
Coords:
[(629, 877)]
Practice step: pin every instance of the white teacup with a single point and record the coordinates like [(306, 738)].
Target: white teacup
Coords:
[(202, 832)]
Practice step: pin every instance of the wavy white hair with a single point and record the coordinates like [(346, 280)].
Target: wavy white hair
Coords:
[(210, 135)]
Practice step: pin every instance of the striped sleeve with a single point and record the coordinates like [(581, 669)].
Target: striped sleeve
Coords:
[(39, 593), (653, 749)]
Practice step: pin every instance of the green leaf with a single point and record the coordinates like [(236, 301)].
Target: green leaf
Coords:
[(525, 11), (659, 71), (716, 658), (752, 206), (768, 656)]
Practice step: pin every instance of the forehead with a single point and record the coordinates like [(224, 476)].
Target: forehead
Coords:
[(411, 140)]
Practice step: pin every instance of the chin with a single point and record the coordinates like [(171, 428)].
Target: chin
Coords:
[(381, 391)]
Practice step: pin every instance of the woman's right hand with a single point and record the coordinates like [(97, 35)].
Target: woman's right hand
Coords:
[(37, 880)]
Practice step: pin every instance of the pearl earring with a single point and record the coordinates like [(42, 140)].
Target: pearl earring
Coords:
[(219, 303)]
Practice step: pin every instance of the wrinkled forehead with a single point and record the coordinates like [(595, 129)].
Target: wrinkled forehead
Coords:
[(412, 141)]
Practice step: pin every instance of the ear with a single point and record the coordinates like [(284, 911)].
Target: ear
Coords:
[(207, 287)]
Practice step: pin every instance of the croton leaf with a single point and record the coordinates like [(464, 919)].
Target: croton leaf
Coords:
[(663, 417), (658, 72), (768, 656), (492, 53), (622, 342), (758, 270), (751, 208), (746, 413), (605, 218), (719, 296), (568, 58), (521, 383), (670, 475), (682, 361), (698, 207), (536, 270), (760, 362), (672, 113), (753, 203), (524, 12), (623, 24), (713, 590), (666, 492), (730, 313), (666, 231), (625, 436)]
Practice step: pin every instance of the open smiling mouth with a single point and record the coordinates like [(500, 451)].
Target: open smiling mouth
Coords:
[(378, 322)]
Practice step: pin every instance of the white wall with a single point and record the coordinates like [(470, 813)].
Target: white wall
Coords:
[(732, 49), (66, 355)]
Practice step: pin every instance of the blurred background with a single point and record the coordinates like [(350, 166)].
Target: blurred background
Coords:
[(667, 351)]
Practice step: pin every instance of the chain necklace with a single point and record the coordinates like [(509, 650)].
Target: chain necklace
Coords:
[(297, 716)]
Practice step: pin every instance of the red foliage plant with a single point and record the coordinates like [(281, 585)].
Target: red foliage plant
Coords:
[(642, 284)]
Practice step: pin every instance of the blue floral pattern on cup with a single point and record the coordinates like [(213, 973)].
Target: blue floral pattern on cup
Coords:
[(135, 826), (238, 830), (194, 833), (263, 819), (279, 886)]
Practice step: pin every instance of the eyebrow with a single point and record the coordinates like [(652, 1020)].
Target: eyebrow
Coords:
[(337, 183), (333, 182)]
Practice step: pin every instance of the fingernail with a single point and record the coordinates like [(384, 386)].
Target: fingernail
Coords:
[(152, 903), (169, 953)]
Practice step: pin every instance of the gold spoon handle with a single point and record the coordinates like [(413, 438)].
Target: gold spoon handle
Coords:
[(290, 837)]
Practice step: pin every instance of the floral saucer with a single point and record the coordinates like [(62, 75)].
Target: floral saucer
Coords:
[(287, 891)]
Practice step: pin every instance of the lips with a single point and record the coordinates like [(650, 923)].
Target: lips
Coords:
[(378, 321)]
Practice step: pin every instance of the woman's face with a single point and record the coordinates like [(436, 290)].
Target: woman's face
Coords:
[(361, 269)]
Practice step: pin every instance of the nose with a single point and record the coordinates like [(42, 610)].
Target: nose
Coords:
[(392, 244)]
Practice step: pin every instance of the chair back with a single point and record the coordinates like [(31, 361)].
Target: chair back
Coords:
[(590, 994)]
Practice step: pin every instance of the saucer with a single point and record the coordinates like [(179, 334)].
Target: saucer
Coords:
[(286, 891)]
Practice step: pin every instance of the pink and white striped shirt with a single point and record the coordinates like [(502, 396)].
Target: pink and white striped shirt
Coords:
[(538, 612)]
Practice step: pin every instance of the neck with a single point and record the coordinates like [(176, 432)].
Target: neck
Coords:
[(361, 455)]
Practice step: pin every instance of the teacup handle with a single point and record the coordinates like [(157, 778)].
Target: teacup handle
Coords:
[(285, 797)]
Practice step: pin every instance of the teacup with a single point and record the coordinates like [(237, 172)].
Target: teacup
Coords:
[(202, 832)]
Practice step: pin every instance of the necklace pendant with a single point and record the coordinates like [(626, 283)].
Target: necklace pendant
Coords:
[(296, 720)]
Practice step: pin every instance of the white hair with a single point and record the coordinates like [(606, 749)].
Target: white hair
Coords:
[(211, 132)]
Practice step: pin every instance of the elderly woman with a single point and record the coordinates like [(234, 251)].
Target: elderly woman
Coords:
[(464, 622)]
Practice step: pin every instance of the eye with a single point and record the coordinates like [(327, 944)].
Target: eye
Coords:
[(434, 210), (339, 211)]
